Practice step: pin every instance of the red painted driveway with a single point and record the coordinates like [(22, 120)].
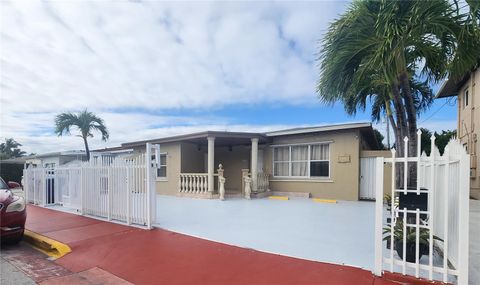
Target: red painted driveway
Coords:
[(163, 257)]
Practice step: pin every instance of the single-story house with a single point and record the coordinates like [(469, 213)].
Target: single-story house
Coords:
[(321, 161), (12, 169), (54, 159)]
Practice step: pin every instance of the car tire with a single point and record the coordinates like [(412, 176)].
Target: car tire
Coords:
[(14, 240)]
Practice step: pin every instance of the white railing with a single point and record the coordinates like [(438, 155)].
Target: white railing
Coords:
[(117, 189), (197, 183), (193, 183), (442, 224), (263, 182)]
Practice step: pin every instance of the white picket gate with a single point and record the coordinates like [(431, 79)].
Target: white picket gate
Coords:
[(444, 179), (115, 189)]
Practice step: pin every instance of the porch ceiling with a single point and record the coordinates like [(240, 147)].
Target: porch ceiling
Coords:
[(221, 139), (224, 141)]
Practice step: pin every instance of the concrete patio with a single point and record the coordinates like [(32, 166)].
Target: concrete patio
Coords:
[(341, 233)]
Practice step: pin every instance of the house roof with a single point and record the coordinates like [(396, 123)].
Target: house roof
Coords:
[(451, 87), (15, 160), (60, 153), (224, 138), (316, 129)]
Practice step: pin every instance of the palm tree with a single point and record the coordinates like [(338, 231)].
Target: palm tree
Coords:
[(10, 149), (85, 122), (378, 50)]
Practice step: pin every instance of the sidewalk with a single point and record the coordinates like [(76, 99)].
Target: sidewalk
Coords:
[(163, 257)]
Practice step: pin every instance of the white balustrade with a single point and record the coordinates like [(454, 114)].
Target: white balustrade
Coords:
[(193, 183)]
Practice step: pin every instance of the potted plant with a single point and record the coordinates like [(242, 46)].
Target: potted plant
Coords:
[(387, 200), (411, 237)]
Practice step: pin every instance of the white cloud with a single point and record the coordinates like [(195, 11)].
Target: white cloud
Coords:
[(149, 56), (157, 55), (34, 130)]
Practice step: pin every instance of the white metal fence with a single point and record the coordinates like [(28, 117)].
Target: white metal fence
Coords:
[(120, 189), (429, 220)]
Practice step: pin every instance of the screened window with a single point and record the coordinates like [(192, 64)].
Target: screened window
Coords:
[(309, 160)]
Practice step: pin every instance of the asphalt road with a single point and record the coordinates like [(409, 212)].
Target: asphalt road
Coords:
[(21, 264), (11, 275)]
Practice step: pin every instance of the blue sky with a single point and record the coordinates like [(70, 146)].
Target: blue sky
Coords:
[(154, 69)]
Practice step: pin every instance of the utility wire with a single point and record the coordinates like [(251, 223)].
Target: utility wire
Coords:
[(433, 114)]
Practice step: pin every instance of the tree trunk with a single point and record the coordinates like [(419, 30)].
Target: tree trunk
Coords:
[(393, 124), (401, 125), (402, 132), (394, 127), (412, 127), (412, 114), (87, 150)]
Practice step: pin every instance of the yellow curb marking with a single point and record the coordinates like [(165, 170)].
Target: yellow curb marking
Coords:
[(284, 198), (46, 245), (324, 200)]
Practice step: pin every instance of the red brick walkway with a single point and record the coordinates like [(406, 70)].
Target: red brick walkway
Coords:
[(163, 257)]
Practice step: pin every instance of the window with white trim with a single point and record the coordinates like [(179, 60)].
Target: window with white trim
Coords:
[(306, 160), (162, 168), (320, 160), (465, 98)]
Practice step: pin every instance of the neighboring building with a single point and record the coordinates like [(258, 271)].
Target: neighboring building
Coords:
[(53, 159), (12, 169), (467, 92), (319, 161)]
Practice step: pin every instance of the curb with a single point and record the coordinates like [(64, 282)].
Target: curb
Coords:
[(407, 279), (50, 247)]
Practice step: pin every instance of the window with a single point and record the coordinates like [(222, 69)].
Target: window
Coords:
[(320, 160), (281, 161), (465, 98), (306, 160), (162, 168)]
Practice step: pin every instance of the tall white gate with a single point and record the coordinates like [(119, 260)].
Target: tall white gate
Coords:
[(423, 230), (118, 189), (367, 178)]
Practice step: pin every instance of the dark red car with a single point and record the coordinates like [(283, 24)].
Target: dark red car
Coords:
[(13, 214)]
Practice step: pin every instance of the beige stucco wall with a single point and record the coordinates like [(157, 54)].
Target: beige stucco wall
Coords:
[(343, 183), (188, 158), (169, 186), (387, 167), (468, 127), (233, 161), (193, 158), (193, 161)]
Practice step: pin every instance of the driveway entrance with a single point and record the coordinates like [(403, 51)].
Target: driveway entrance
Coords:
[(341, 233)]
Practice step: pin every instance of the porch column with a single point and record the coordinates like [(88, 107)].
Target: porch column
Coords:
[(254, 160), (211, 161)]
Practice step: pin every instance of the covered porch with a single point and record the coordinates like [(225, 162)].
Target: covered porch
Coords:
[(223, 164)]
